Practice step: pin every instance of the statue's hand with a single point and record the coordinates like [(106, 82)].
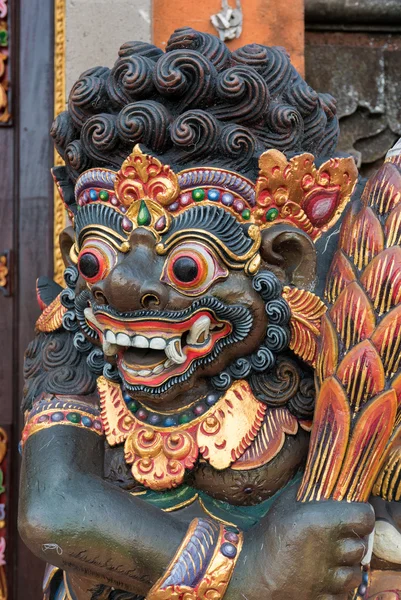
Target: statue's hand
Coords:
[(304, 551)]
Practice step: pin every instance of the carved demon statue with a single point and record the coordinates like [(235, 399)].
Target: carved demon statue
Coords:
[(225, 273)]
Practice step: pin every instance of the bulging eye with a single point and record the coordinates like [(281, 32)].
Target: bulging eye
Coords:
[(187, 269), (191, 268), (96, 259), (90, 264)]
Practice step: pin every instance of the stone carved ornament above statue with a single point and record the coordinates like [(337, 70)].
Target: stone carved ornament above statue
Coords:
[(169, 389)]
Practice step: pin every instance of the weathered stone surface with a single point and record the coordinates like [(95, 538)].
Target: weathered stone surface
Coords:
[(354, 13), (362, 72)]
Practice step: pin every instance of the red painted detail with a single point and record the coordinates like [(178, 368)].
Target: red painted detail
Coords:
[(320, 205)]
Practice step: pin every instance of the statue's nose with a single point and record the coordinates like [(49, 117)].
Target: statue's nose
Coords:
[(152, 295), (134, 284), (126, 290)]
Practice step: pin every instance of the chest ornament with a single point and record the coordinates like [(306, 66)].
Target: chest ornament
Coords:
[(159, 456)]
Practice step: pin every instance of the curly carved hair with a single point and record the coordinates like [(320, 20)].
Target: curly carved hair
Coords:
[(197, 103), (53, 365)]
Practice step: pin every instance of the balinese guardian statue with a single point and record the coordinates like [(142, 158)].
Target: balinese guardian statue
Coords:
[(212, 400)]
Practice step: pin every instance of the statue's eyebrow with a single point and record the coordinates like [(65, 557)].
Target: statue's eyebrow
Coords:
[(215, 226), (101, 221)]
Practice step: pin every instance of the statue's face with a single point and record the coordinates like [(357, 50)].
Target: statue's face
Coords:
[(169, 320), (172, 266)]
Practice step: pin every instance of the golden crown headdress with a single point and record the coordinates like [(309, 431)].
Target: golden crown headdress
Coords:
[(293, 191)]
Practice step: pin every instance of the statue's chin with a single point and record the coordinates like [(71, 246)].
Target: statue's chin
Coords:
[(177, 396)]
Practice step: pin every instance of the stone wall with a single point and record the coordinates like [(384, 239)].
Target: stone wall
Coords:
[(353, 51), (95, 29), (362, 71)]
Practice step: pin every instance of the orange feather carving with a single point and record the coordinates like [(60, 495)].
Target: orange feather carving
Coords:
[(328, 444), (328, 356), (306, 314), (362, 374), (51, 318), (365, 451)]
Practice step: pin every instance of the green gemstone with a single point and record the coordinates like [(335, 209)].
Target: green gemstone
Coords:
[(104, 195), (271, 214), (74, 417), (184, 418), (132, 406), (246, 214), (198, 195), (3, 37), (144, 216)]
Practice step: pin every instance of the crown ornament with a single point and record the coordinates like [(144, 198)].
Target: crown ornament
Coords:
[(293, 191), (298, 192), (142, 176)]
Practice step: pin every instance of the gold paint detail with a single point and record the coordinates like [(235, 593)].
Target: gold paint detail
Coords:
[(231, 426), (51, 318), (250, 260), (182, 504), (278, 423), (214, 579), (143, 178), (214, 516), (69, 595), (159, 456), (388, 484), (306, 315), (3, 444), (3, 271), (105, 233), (294, 187), (74, 254), (5, 67), (59, 220), (160, 459), (5, 116), (253, 264)]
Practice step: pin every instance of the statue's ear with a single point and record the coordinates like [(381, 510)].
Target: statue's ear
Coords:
[(292, 251), (66, 241), (65, 188)]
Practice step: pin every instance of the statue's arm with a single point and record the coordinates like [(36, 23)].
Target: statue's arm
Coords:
[(72, 518)]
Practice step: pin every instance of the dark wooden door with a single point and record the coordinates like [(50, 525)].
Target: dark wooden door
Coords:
[(26, 223)]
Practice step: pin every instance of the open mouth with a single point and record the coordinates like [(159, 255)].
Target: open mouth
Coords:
[(151, 350)]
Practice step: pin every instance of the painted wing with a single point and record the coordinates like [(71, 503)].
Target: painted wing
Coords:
[(360, 354)]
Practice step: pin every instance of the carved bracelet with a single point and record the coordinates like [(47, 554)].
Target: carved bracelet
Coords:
[(203, 564)]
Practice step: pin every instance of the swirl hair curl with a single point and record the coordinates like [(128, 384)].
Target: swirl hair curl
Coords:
[(195, 104)]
